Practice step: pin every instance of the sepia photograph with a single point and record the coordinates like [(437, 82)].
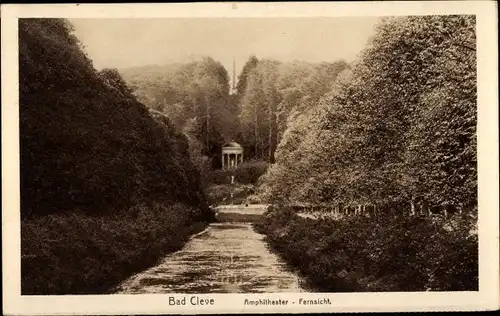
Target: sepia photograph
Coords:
[(248, 155)]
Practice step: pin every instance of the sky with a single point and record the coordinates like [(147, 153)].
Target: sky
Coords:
[(123, 43)]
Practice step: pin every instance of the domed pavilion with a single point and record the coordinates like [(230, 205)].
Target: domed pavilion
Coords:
[(232, 155)]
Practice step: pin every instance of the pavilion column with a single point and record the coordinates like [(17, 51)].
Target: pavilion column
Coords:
[(232, 156)]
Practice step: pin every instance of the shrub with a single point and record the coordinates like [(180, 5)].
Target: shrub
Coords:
[(76, 253), (218, 177), (250, 171), (385, 253), (221, 194)]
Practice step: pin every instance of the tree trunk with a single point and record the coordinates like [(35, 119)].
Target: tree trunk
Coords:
[(207, 132), (270, 136), (256, 134), (262, 148)]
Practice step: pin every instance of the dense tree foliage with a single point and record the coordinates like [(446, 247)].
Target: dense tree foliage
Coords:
[(241, 85), (394, 130), (86, 142), (195, 96), (258, 109), (275, 94), (398, 128)]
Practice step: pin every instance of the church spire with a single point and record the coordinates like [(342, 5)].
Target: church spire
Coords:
[(233, 88)]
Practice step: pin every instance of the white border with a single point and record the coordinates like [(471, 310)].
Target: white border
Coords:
[(487, 49)]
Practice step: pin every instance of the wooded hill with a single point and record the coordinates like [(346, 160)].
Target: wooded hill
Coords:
[(195, 97), (272, 93)]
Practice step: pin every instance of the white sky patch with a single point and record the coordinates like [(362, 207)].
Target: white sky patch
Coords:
[(122, 43)]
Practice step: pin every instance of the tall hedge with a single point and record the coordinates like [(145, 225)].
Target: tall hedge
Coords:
[(86, 142), (397, 128)]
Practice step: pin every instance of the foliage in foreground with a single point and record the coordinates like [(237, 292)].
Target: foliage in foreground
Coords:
[(97, 171), (79, 254), (385, 253), (86, 143)]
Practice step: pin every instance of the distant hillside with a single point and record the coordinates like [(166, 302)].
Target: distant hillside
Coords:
[(195, 96), (86, 142)]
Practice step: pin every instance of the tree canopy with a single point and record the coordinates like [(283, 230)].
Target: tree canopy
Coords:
[(275, 93), (398, 126), (195, 96), (86, 142)]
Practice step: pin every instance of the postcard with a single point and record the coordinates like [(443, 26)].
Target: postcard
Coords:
[(203, 158)]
